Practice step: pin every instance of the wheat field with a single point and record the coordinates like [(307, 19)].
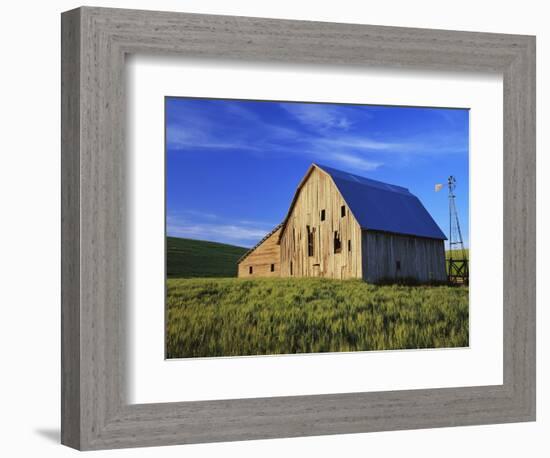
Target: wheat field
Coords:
[(209, 317)]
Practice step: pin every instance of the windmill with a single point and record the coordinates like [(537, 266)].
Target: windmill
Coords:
[(457, 262)]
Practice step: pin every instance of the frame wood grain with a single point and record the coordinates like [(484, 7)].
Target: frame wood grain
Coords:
[(95, 411)]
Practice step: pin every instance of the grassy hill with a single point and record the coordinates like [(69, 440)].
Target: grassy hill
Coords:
[(457, 254), (186, 258)]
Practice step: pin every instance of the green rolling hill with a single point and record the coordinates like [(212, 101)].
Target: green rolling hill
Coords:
[(457, 254), (187, 258)]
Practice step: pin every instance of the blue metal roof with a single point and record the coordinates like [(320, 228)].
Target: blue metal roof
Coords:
[(384, 207)]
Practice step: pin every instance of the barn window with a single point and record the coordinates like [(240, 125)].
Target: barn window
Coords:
[(250, 270), (310, 241), (290, 267), (337, 242), (272, 267), (343, 211), (349, 245), (397, 265), (322, 215)]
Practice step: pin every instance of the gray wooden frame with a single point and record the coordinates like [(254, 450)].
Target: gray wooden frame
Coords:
[(95, 413)]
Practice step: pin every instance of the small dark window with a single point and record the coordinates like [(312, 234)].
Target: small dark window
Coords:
[(322, 215), (310, 241), (397, 265), (250, 269), (349, 245), (290, 267), (272, 267), (337, 242), (343, 211)]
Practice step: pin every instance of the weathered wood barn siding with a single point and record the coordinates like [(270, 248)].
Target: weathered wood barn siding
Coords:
[(394, 256), (316, 193), (262, 258)]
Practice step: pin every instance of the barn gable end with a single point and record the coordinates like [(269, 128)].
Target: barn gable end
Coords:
[(320, 236), (263, 260)]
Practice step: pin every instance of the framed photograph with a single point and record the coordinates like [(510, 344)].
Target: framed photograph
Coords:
[(279, 228), (310, 224)]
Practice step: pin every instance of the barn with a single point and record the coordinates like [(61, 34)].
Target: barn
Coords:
[(341, 225)]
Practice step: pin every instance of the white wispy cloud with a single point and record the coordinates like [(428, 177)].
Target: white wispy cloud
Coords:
[(364, 143), (356, 162), (179, 137), (193, 214), (317, 116), (217, 232), (206, 226)]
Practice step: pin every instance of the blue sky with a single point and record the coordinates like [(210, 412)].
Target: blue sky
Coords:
[(232, 166)]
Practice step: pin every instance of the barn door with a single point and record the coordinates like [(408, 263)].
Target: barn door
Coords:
[(316, 270)]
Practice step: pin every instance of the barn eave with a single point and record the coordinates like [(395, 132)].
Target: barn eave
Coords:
[(405, 234)]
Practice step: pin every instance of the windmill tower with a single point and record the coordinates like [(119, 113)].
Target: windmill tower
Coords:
[(457, 268)]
